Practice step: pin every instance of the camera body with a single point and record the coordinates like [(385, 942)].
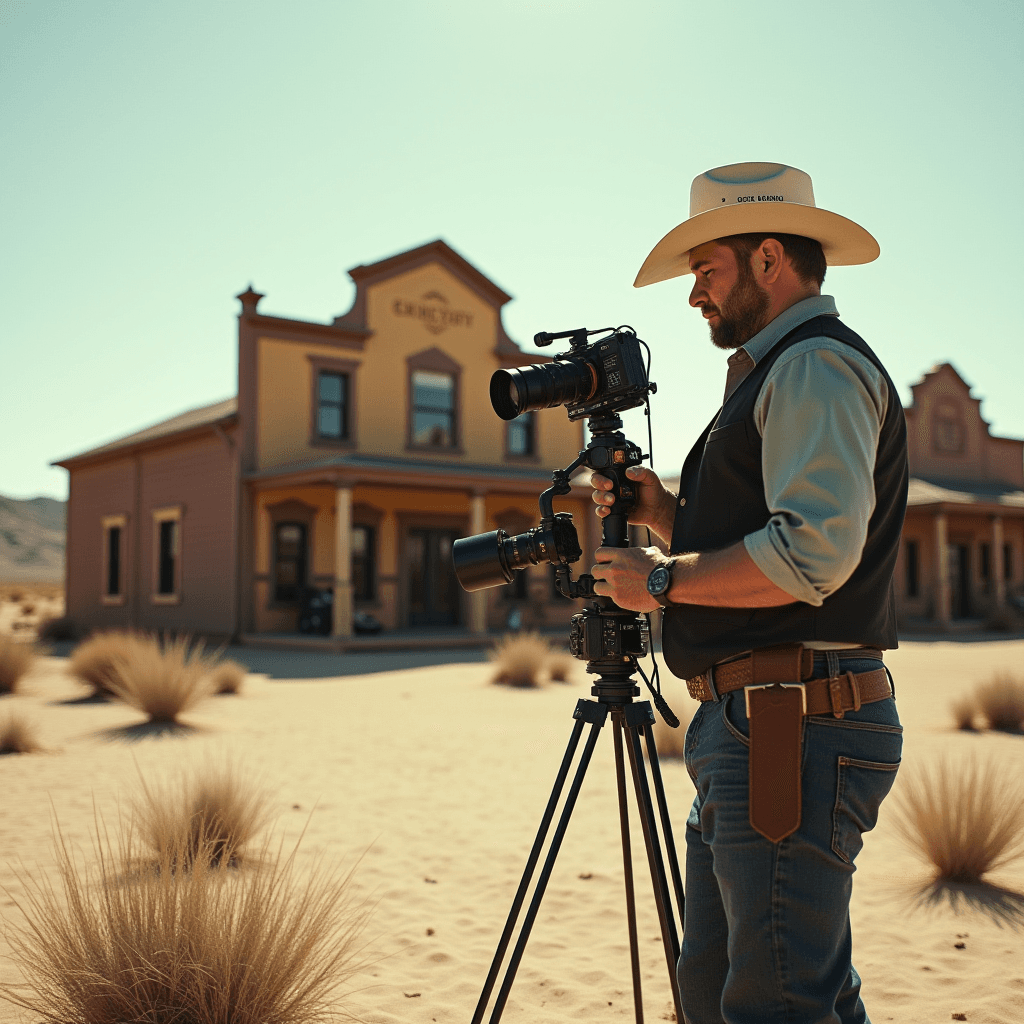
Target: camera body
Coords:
[(591, 379), (603, 637)]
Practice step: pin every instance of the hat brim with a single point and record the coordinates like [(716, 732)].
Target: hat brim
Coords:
[(844, 242)]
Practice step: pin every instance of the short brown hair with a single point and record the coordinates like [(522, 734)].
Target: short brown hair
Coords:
[(806, 254)]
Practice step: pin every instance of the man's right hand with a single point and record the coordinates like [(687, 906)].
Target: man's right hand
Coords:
[(655, 506)]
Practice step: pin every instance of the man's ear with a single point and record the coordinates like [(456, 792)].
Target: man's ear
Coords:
[(769, 258)]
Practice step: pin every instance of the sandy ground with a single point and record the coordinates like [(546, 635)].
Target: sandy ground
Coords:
[(438, 780)]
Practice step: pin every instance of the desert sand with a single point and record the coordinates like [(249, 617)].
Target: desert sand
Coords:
[(434, 780)]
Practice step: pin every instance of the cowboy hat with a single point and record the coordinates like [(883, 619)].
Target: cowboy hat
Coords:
[(755, 197)]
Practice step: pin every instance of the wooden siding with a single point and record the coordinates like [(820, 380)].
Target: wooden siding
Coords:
[(197, 474)]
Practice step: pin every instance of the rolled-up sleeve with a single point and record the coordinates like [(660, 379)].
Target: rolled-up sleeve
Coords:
[(819, 414)]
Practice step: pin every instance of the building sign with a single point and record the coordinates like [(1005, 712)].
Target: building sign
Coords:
[(432, 310)]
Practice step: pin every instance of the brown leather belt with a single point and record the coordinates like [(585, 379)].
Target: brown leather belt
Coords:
[(792, 664), (770, 678)]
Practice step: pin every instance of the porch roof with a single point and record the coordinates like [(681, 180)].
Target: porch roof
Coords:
[(991, 498), (349, 468)]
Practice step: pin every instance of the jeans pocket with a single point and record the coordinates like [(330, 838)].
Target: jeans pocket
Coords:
[(860, 789)]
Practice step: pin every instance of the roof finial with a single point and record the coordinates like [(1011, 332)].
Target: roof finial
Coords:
[(250, 299)]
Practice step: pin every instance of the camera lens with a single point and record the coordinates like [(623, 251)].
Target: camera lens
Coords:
[(542, 386), (480, 561)]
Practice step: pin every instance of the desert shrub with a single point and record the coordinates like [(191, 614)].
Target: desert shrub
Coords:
[(18, 735), (160, 680), (93, 661), (61, 628), (28, 608), (518, 659), (227, 677), (670, 742), (560, 666), (1001, 702), (212, 809), (16, 596), (965, 819), (964, 711), (16, 659), (206, 946)]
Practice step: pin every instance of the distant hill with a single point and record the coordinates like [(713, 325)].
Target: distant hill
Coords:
[(32, 538)]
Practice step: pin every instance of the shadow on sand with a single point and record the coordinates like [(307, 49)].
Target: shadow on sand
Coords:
[(90, 698), (1002, 906), (148, 730), (279, 664)]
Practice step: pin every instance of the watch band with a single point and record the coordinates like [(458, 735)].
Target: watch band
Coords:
[(663, 599)]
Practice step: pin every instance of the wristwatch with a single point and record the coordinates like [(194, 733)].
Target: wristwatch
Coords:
[(659, 582)]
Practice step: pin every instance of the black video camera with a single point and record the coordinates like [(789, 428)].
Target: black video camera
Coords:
[(605, 376)]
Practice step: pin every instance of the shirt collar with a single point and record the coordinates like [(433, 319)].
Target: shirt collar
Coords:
[(789, 319)]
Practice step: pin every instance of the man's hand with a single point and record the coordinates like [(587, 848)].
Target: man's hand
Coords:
[(655, 506), (621, 574)]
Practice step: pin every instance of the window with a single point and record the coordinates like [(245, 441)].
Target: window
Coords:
[(114, 541), (332, 405), (1007, 562), (912, 568), (290, 561), (166, 555), (521, 437), (985, 566), (363, 581), (433, 409)]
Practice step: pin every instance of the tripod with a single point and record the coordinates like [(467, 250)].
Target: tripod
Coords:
[(598, 634)]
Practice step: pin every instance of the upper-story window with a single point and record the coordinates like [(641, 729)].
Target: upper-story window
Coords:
[(521, 438), (332, 414), (332, 402), (433, 409)]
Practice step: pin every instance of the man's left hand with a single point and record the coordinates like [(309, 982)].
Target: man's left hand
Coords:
[(621, 574)]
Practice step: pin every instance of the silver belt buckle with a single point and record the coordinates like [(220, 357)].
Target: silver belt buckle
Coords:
[(785, 686)]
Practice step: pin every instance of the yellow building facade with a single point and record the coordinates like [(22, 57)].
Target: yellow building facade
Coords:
[(369, 445)]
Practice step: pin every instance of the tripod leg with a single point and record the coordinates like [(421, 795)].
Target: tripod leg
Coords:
[(666, 822), (627, 868), (531, 863), (638, 716), (596, 714)]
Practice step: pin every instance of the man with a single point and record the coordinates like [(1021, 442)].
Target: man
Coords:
[(778, 600)]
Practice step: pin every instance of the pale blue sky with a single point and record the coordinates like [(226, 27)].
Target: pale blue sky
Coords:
[(157, 157)]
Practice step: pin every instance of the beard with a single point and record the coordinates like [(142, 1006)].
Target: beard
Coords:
[(742, 314)]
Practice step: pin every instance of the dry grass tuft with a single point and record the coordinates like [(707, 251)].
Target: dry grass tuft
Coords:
[(669, 742), (18, 735), (964, 819), (518, 659), (1001, 702), (212, 810), (227, 677), (162, 681), (28, 608), (207, 946), (93, 661), (560, 666), (16, 659), (964, 712)]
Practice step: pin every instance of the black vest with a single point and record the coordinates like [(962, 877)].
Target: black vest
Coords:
[(724, 491)]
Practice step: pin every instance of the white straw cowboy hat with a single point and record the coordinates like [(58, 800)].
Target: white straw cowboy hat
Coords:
[(755, 197)]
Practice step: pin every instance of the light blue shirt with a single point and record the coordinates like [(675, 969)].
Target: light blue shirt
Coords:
[(819, 414)]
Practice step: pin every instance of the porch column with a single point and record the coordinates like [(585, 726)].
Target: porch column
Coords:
[(943, 591), (478, 599), (342, 625), (996, 563)]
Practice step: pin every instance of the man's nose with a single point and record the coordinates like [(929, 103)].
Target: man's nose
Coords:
[(697, 296)]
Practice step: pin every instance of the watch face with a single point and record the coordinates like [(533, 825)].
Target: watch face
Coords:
[(659, 580)]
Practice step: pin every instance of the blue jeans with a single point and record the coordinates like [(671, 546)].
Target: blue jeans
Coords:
[(767, 926)]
